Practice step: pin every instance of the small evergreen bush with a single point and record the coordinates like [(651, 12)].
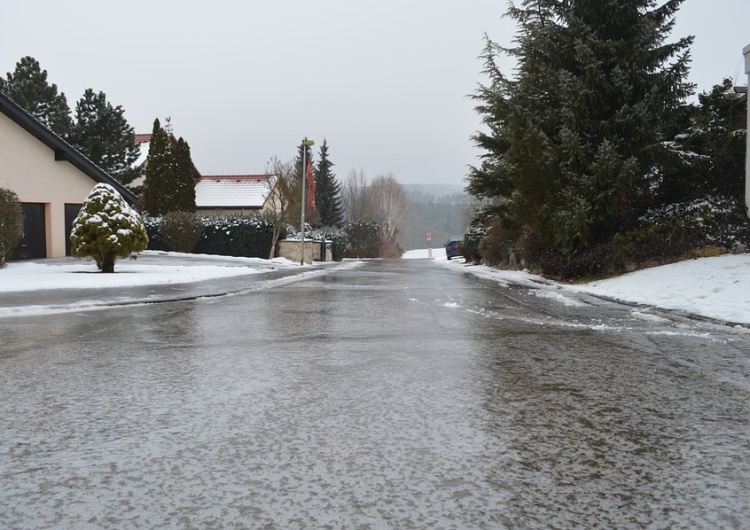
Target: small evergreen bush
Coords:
[(11, 224), (364, 239), (107, 229)]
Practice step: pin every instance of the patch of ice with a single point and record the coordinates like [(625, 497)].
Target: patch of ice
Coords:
[(558, 297), (648, 317)]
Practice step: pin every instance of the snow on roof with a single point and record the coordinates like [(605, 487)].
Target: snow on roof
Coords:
[(142, 141), (218, 191), (231, 191)]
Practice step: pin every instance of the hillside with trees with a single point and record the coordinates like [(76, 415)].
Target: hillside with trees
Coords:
[(441, 210)]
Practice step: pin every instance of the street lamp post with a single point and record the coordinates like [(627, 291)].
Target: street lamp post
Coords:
[(305, 144)]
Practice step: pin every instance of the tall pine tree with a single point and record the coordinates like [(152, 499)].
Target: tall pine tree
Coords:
[(28, 87), (159, 190), (575, 139), (327, 191), (184, 178), (102, 133)]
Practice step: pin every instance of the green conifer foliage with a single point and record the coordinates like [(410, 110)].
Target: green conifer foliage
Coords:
[(327, 191), (575, 138), (103, 135), (708, 149), (28, 87), (184, 178), (11, 224), (107, 229), (159, 190)]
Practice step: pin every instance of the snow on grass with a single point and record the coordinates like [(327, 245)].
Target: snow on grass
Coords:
[(74, 274), (717, 287)]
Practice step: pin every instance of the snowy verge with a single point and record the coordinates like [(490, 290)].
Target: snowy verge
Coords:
[(716, 288)]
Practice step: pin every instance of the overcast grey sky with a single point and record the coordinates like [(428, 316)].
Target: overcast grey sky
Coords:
[(384, 81)]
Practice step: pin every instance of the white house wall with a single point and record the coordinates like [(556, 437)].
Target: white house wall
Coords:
[(28, 168)]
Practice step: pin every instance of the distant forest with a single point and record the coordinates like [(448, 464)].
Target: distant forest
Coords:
[(443, 210)]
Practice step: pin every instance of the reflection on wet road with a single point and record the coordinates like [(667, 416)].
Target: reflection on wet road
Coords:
[(395, 395)]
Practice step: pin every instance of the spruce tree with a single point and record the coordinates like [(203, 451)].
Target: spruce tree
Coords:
[(708, 149), (159, 190), (184, 178), (575, 139), (327, 191), (103, 135), (28, 87)]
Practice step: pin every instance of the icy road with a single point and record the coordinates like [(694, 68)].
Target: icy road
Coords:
[(394, 395)]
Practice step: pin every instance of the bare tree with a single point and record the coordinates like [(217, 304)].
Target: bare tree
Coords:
[(352, 194), (282, 205), (387, 204)]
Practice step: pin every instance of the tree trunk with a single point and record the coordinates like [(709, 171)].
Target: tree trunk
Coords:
[(108, 263)]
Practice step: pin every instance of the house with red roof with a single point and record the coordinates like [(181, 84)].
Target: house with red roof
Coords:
[(232, 194), (221, 194)]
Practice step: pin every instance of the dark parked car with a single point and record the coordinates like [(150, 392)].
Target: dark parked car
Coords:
[(454, 247)]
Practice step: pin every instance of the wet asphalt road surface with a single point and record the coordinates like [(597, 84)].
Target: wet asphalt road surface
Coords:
[(398, 394)]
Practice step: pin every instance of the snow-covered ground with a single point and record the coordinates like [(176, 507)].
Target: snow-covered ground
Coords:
[(717, 287), (69, 274)]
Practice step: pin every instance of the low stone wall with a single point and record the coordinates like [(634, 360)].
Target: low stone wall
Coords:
[(314, 250)]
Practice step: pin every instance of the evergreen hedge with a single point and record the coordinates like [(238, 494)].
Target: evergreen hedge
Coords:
[(240, 236)]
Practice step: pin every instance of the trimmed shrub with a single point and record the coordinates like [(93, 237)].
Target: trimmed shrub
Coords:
[(11, 224), (240, 236), (181, 231), (363, 239), (107, 229)]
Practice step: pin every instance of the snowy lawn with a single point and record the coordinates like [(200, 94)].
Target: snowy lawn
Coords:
[(717, 287), (74, 274)]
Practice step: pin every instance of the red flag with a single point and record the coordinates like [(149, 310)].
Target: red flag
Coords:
[(310, 185)]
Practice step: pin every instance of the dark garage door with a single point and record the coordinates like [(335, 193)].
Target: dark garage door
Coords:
[(34, 242)]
